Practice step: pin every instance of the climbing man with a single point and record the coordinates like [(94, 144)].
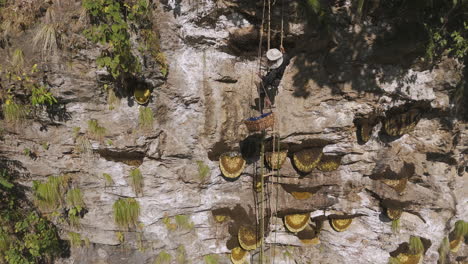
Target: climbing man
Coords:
[(268, 88)]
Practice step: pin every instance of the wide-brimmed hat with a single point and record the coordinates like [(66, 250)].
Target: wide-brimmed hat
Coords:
[(275, 57)]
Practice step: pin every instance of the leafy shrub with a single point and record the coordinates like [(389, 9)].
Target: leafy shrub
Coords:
[(126, 212), (110, 28), (25, 237), (136, 181), (146, 118), (40, 96)]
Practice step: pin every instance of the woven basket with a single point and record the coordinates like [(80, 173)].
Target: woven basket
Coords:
[(255, 124), (276, 159)]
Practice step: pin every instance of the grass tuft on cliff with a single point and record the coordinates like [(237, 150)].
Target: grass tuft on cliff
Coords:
[(415, 245), (96, 131), (136, 181), (146, 118), (126, 212), (49, 195), (163, 258)]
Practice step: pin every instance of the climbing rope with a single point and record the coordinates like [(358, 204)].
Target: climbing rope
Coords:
[(276, 133)]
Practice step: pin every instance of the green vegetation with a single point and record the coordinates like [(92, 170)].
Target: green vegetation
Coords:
[(183, 222), (120, 236), (211, 259), (83, 145), (163, 258), (76, 132), (49, 195), (108, 178), (146, 118), (112, 99), (396, 226), (136, 181), (45, 145), (14, 113), (96, 131), (41, 96), (461, 229), (25, 237), (126, 212), (181, 257), (110, 28), (203, 171), (27, 152), (415, 245), (168, 223), (75, 239), (18, 80), (17, 60), (152, 44), (76, 205), (444, 249), (393, 260), (47, 35), (75, 198)]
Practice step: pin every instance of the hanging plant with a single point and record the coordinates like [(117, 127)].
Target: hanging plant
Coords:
[(232, 165), (296, 222), (306, 160)]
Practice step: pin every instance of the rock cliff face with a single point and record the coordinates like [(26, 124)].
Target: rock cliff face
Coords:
[(334, 83)]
